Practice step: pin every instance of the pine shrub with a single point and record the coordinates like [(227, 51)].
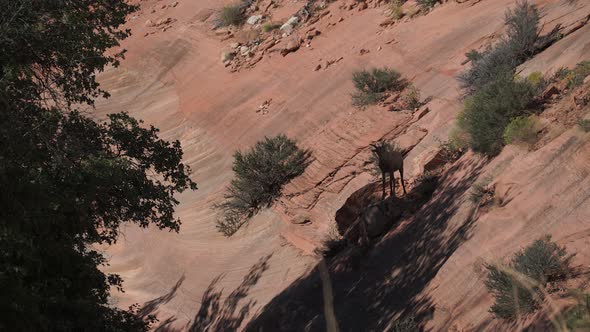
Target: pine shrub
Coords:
[(260, 175), (543, 262), (490, 110), (371, 85)]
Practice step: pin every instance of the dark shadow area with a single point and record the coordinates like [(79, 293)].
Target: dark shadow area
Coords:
[(373, 287), (217, 314), (150, 307), (227, 315)]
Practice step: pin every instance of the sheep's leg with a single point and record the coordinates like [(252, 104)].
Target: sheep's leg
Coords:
[(392, 184), (401, 175), (383, 178)]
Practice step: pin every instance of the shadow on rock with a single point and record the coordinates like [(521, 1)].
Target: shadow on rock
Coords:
[(390, 280)]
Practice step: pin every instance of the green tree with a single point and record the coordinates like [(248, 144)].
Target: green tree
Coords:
[(68, 182)]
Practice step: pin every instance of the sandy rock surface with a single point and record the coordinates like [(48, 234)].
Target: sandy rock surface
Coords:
[(174, 79)]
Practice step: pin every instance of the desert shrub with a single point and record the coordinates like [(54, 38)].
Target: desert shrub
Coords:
[(576, 76), (372, 84), (259, 177), (395, 10), (231, 15), (542, 262), (522, 130), (458, 139), (490, 109), (513, 49), (412, 98), (407, 324), (584, 124), (537, 81), (561, 73), (427, 4), (577, 318), (267, 27), (479, 191)]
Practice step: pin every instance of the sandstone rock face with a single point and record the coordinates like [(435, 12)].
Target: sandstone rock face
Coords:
[(292, 46), (174, 81)]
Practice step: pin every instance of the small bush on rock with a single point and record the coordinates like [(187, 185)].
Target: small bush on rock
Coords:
[(577, 318), (395, 10), (576, 77), (260, 175), (584, 124), (522, 130), (490, 110), (542, 262), (518, 44), (372, 85), (231, 15)]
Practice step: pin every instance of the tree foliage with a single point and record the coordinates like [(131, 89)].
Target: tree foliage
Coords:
[(490, 110), (541, 262), (518, 44), (259, 177), (69, 182)]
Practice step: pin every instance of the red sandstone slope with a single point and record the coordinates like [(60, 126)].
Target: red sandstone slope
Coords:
[(174, 79)]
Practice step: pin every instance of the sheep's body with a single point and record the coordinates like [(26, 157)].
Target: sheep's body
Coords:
[(389, 160)]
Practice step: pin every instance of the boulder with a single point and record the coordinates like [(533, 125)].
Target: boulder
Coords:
[(244, 50), (289, 25), (254, 19), (292, 46)]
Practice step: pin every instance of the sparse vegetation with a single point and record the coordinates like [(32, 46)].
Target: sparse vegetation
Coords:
[(479, 192), (584, 124), (372, 85), (231, 15), (576, 76), (577, 318), (490, 110), (522, 130), (395, 10), (259, 177), (537, 81), (516, 287), (458, 139), (518, 44), (411, 98)]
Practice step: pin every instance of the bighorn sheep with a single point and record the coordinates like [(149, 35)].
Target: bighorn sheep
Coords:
[(389, 160)]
